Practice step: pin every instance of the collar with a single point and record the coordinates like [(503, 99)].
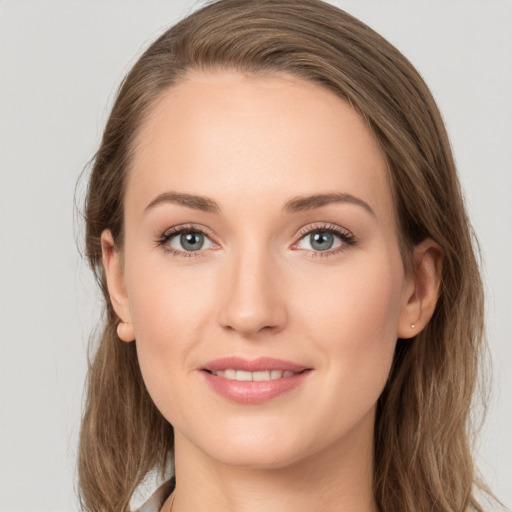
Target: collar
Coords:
[(157, 499)]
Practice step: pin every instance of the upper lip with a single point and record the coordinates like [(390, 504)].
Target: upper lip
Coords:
[(252, 365)]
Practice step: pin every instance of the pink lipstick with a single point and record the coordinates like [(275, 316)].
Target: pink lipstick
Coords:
[(253, 381)]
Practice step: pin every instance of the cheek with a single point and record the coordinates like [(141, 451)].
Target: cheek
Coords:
[(352, 317), (167, 302), (359, 302), (168, 309)]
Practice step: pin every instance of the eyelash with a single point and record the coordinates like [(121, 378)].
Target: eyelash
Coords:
[(346, 237), (178, 230)]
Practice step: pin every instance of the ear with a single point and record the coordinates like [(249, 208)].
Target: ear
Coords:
[(422, 289), (113, 269)]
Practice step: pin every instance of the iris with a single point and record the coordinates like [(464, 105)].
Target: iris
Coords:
[(321, 241), (192, 241)]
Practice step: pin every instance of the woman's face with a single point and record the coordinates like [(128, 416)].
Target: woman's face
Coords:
[(262, 272)]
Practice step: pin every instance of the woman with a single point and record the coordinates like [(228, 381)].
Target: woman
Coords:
[(274, 216)]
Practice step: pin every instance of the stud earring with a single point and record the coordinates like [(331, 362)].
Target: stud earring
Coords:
[(413, 326), (125, 331)]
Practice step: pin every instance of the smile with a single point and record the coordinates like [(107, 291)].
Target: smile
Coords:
[(253, 381), (259, 376)]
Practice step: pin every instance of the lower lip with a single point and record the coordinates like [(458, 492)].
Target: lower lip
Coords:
[(254, 392)]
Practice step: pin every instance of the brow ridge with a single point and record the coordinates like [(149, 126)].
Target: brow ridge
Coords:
[(202, 203), (302, 203), (299, 203)]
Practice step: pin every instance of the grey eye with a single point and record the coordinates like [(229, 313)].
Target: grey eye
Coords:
[(187, 240), (191, 241), (321, 240)]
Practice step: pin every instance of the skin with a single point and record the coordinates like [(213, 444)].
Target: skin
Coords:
[(259, 288)]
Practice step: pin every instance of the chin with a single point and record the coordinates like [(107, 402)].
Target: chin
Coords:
[(257, 457), (260, 446)]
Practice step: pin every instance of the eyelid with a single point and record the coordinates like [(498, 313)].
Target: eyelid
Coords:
[(196, 228), (347, 238), (323, 226), (174, 231)]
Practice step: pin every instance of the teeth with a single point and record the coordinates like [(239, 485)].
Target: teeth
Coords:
[(261, 376), (229, 374), (244, 376)]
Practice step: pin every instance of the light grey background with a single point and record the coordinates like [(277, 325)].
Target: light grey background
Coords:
[(60, 64)]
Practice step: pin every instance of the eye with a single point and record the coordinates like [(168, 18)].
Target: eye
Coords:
[(321, 241), (328, 239), (188, 241), (185, 241)]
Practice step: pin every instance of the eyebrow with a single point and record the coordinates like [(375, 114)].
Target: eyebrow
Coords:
[(202, 203), (300, 203), (318, 200)]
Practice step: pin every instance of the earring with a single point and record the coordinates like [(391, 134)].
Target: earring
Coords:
[(125, 331), (413, 326)]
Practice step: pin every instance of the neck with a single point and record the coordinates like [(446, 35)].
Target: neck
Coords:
[(338, 478)]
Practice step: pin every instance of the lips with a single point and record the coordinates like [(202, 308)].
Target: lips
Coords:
[(260, 376), (253, 381)]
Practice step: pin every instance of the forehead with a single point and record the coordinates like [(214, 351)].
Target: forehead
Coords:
[(230, 135)]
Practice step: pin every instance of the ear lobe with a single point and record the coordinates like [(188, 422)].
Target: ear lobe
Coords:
[(113, 269), (423, 292)]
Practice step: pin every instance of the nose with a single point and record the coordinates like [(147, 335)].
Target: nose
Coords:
[(254, 296)]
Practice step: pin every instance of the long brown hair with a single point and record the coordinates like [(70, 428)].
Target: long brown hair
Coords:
[(422, 449)]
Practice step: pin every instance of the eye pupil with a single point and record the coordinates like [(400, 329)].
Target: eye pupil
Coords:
[(321, 240), (192, 241)]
